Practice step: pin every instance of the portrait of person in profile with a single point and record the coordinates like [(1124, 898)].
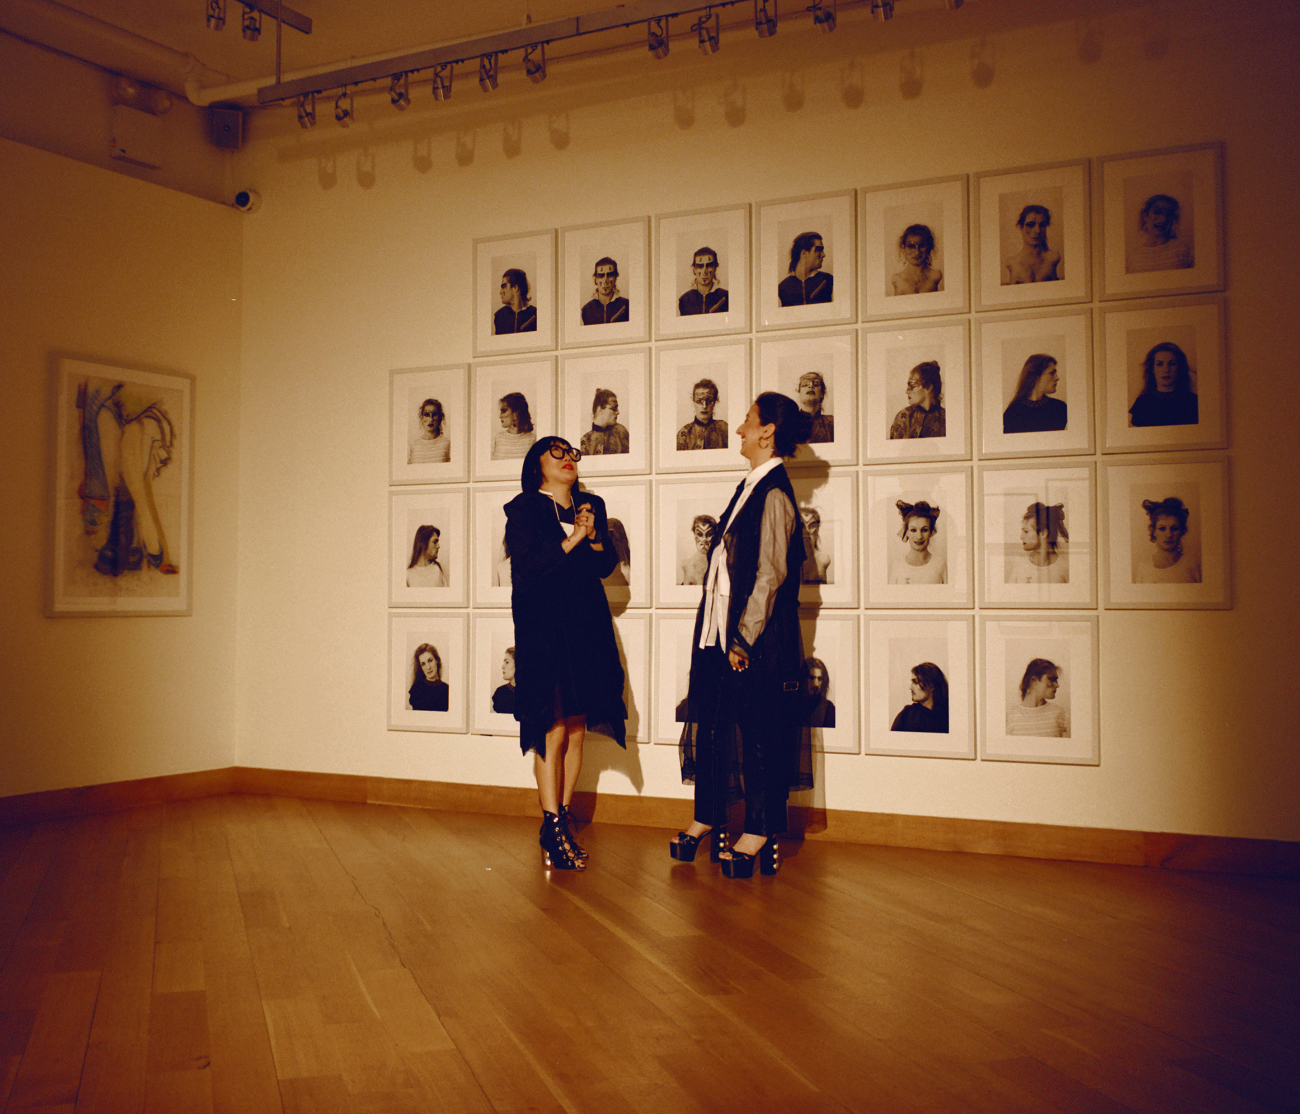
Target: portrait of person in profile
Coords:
[(431, 446), (1036, 261), (1166, 527), (428, 691), (608, 307), (928, 711), (1166, 397), (1041, 560), (915, 251), (704, 431), (621, 576), (424, 570), (924, 415), (606, 435), (705, 295), (918, 565), (1036, 714), (1032, 409), (806, 284), (503, 696), (692, 569), (816, 567), (516, 436), (819, 710), (811, 396), (516, 315), (1158, 246)]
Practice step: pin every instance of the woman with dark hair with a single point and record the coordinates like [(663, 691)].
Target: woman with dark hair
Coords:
[(568, 675), (1034, 715), (1031, 410), (743, 737), (915, 251), (428, 691), (924, 415), (1166, 527), (516, 435), (1166, 397), (917, 564), (928, 710), (424, 569)]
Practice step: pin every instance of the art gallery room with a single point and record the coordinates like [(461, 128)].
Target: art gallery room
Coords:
[(296, 306)]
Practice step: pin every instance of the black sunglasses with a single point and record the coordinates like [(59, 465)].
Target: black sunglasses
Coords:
[(559, 452)]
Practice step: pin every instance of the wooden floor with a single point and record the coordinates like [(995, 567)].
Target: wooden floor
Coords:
[(250, 954)]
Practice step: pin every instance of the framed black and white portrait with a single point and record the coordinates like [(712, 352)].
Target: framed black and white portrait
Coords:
[(605, 410), (1162, 222), (702, 277), (605, 277), (512, 405), (428, 548), (627, 504), (1167, 534), (819, 371), (632, 633), (672, 673), (1038, 537), (1040, 690), (1032, 243), (831, 668), (1163, 372), (428, 671), (1034, 376), (918, 538), (490, 556), (914, 249), (429, 425), (687, 515), (918, 404), (828, 505), (514, 294), (492, 682), (805, 269), (921, 687), (702, 395)]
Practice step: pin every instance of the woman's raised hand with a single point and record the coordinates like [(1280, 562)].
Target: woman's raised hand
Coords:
[(584, 522)]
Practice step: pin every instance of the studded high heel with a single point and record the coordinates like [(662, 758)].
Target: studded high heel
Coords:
[(737, 864), (682, 847), (557, 852), (566, 820)]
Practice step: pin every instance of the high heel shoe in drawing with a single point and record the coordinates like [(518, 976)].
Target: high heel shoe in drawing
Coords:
[(557, 852), (682, 847), (566, 821), (737, 864)]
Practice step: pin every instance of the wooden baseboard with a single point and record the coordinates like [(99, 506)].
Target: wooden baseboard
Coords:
[(1266, 857)]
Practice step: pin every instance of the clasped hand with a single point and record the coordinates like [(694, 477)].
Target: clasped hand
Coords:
[(584, 524)]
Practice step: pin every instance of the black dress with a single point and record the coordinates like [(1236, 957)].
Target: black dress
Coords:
[(917, 717), (1044, 415), (566, 656), (428, 696), (1165, 408)]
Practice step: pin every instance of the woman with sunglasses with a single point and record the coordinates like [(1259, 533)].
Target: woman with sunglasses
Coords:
[(568, 675)]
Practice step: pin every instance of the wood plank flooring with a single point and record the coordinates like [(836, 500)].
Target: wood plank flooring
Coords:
[(250, 955)]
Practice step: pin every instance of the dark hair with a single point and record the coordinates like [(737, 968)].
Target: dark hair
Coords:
[(422, 536), (705, 251), (704, 520), (792, 424), (1183, 378), (618, 540), (510, 650), (917, 510), (931, 378), (603, 398), (604, 261), (517, 278), (708, 385), (802, 243), (1047, 216), (809, 664), (1175, 210), (1039, 667), (1173, 507), (432, 402), (429, 648), (518, 405), (1030, 374), (1051, 519), (927, 240), (530, 475), (930, 677)]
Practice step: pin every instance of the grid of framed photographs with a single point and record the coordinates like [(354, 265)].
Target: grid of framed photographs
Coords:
[(974, 353)]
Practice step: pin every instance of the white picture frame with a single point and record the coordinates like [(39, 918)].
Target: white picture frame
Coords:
[(891, 354), (410, 391), (678, 237), (498, 452), (582, 247), (490, 560), (672, 673), (491, 707), (534, 254), (679, 369), (448, 633), (626, 372), (632, 633), (782, 362), (778, 224), (832, 639), (628, 503), (679, 564), (889, 582), (412, 514), (828, 505)]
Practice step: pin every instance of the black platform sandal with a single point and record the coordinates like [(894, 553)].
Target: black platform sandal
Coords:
[(682, 847), (737, 864), (557, 852)]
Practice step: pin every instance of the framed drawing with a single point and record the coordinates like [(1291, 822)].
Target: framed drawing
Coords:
[(514, 294), (921, 687), (1161, 222), (917, 527), (428, 550), (672, 673), (123, 491), (1037, 537), (818, 371), (492, 685), (627, 504), (1035, 384), (1032, 243), (428, 433), (511, 403), (428, 671), (829, 508), (831, 671), (1040, 690), (918, 393), (914, 254), (1163, 375), (805, 268), (702, 275), (1167, 530), (605, 410), (702, 395), (686, 518), (632, 632), (491, 558), (605, 276)]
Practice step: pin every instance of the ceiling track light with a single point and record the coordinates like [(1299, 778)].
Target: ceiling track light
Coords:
[(764, 22), (216, 14), (657, 36), (824, 18), (343, 109), (442, 76), (883, 10), (251, 24), (488, 66), (535, 62), (307, 111), (399, 92), (708, 28)]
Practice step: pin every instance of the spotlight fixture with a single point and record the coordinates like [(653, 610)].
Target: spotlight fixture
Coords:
[(307, 111), (216, 14), (442, 82), (399, 92), (883, 10), (657, 36), (823, 18), (708, 27), (487, 72), (252, 24), (764, 21), (535, 62), (343, 109)]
